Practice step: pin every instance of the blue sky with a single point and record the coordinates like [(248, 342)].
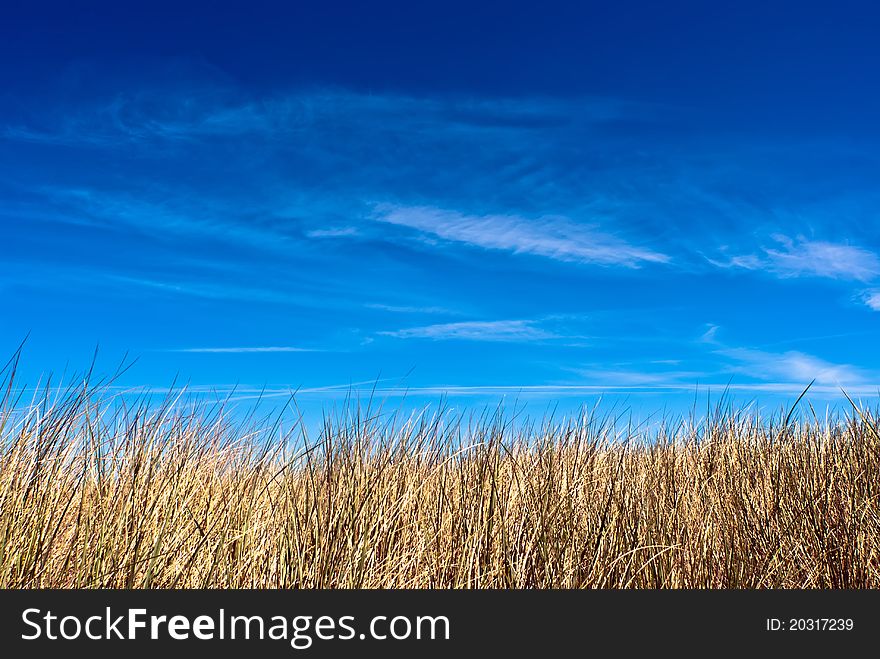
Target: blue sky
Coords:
[(551, 202)]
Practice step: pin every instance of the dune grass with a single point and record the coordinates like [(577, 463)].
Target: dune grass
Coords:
[(98, 493)]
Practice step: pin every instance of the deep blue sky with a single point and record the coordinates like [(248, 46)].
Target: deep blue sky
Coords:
[(556, 199)]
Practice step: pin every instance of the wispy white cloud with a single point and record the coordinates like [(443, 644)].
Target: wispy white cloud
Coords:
[(872, 299), (169, 114), (246, 349), (496, 330), (763, 370), (635, 378), (789, 366), (337, 232), (553, 237), (171, 215), (792, 365), (238, 393), (409, 309), (317, 298), (196, 109), (709, 335), (554, 391), (773, 373), (801, 257)]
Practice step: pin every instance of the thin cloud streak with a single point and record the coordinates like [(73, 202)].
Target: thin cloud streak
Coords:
[(495, 330), (872, 299), (553, 237), (344, 390), (392, 308), (601, 389), (340, 232), (785, 388), (792, 365), (215, 110), (801, 257), (247, 349), (637, 379)]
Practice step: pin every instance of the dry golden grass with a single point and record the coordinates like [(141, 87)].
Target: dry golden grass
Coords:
[(148, 497)]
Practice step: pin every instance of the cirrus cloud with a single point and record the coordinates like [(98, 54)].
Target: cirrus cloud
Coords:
[(816, 258), (493, 330), (555, 237)]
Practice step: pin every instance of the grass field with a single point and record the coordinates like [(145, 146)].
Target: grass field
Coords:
[(98, 493)]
